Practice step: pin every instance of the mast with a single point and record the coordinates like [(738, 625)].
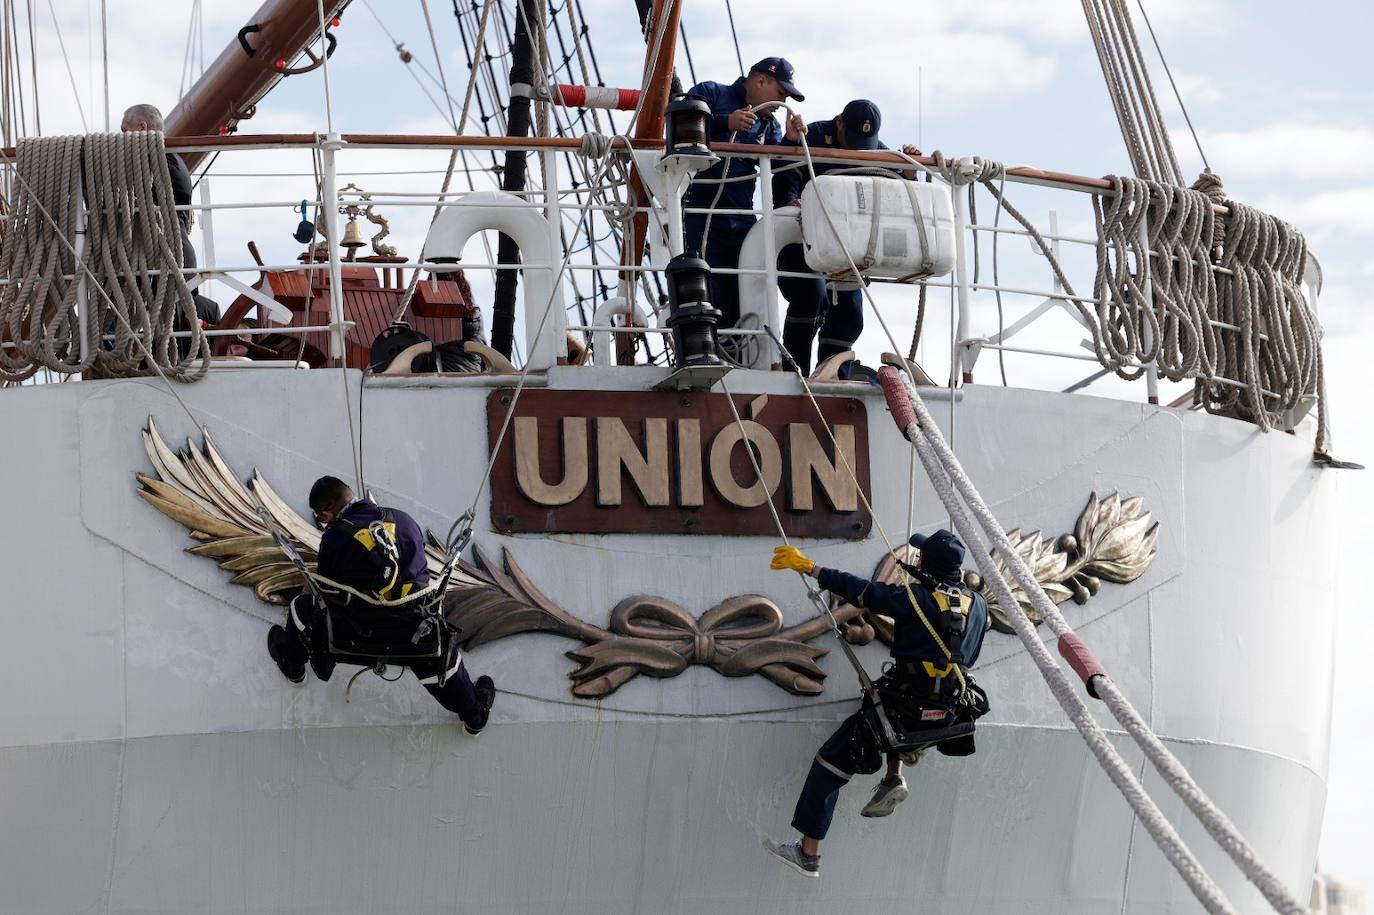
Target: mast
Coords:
[(253, 62), (513, 175), (660, 81)]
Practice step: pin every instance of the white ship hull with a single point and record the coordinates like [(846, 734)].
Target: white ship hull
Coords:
[(154, 760)]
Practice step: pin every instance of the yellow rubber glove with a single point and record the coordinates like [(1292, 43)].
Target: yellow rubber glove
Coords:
[(789, 557)]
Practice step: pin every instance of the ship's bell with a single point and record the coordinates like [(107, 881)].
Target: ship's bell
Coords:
[(353, 235)]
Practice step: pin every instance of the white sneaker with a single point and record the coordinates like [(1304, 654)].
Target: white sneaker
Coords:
[(886, 796)]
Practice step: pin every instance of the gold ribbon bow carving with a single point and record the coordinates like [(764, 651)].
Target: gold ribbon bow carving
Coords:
[(654, 636)]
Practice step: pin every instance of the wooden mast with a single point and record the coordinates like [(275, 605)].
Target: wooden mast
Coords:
[(660, 80), (248, 68)]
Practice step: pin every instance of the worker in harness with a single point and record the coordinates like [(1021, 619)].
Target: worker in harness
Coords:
[(378, 552), (923, 687)]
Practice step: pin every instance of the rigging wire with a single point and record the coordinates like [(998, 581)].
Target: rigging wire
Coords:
[(76, 94), (33, 63), (734, 35), (105, 58), (1169, 73), (691, 67)]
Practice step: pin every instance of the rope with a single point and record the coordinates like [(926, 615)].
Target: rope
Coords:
[(944, 473), (1131, 91), (1173, 85), (1274, 354), (459, 122), (131, 262), (1273, 344), (947, 476)]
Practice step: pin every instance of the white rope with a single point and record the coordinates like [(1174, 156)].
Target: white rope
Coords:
[(947, 475), (1111, 761), (131, 264)]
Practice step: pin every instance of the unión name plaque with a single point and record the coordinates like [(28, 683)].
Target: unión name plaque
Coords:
[(659, 462)]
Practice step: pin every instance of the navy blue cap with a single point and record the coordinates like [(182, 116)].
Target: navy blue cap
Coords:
[(942, 554), (861, 122), (781, 70)]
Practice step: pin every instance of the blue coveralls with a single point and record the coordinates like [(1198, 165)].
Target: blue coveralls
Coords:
[(345, 560), (830, 770), (727, 232), (809, 304)]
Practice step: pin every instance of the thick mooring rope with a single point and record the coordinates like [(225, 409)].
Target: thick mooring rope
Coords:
[(130, 265), (956, 490)]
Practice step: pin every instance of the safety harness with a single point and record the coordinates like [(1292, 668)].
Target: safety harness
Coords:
[(378, 630), (900, 709)]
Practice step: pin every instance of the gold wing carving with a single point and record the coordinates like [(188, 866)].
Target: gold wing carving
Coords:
[(488, 600), (1114, 540), (196, 488)]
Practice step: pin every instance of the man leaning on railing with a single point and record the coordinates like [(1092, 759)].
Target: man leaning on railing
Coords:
[(734, 120), (812, 303)]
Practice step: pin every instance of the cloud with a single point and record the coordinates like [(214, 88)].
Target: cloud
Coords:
[(1195, 88), (1320, 151), (1330, 214)]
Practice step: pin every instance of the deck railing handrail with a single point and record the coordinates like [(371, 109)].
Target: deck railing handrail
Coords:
[(965, 345)]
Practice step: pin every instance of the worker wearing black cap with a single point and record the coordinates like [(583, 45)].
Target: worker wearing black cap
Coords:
[(811, 303), (924, 687), (734, 120)]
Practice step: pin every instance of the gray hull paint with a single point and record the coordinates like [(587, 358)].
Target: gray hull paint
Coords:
[(152, 759)]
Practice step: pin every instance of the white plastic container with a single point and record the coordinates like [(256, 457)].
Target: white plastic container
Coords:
[(890, 227)]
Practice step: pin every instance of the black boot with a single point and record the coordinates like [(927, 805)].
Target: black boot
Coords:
[(279, 647), (486, 697)]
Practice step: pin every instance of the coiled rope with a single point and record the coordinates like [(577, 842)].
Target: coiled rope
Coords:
[(131, 261), (1247, 322)]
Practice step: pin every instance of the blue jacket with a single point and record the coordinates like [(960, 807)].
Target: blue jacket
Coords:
[(346, 559), (723, 99), (911, 639), (788, 184)]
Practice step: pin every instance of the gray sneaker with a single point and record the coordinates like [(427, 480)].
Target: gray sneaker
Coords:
[(791, 854), (886, 796)]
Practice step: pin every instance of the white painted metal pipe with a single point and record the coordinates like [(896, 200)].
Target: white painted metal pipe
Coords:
[(758, 278), (532, 234)]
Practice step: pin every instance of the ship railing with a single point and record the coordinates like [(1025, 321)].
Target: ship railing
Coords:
[(992, 277)]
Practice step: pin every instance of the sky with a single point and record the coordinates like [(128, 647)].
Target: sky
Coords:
[(1279, 93)]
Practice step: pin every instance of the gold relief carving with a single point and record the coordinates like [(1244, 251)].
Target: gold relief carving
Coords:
[(528, 476), (648, 469), (689, 486), (765, 450), (490, 600), (807, 458)]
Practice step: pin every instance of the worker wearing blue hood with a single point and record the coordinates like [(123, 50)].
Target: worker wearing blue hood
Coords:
[(923, 685)]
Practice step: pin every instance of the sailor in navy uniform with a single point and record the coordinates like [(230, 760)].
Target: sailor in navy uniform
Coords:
[(920, 685), (812, 303), (349, 555), (734, 121)]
